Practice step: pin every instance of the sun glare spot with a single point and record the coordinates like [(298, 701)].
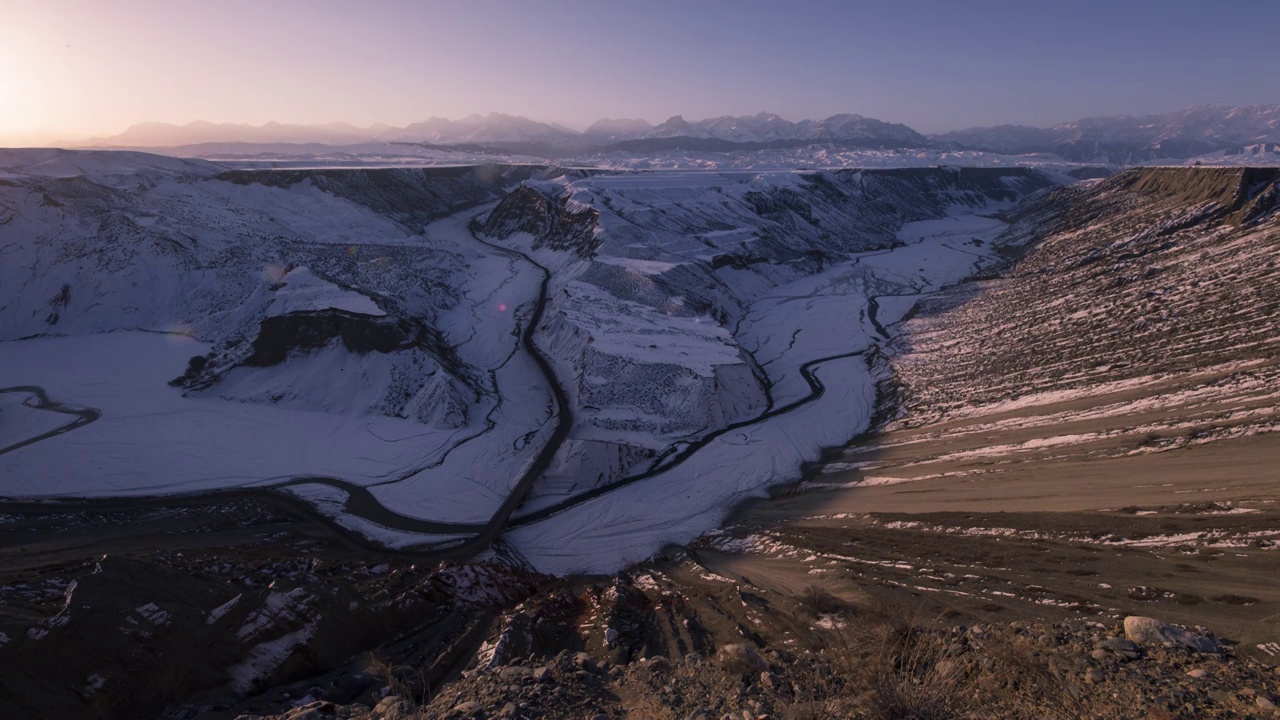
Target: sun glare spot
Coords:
[(273, 273)]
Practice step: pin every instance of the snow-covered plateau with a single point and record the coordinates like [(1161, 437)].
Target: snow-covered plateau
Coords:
[(589, 363)]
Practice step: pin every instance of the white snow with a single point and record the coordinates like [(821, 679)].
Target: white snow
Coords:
[(57, 163), (151, 439), (216, 614), (303, 291), (19, 421), (93, 684), (628, 524), (678, 326), (153, 614), (321, 413), (810, 318), (265, 657)]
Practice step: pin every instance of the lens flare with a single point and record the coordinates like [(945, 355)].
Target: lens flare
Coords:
[(274, 273), (177, 333)]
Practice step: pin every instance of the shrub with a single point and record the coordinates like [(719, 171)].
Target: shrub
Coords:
[(818, 601)]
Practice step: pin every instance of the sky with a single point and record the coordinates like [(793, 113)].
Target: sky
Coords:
[(73, 69)]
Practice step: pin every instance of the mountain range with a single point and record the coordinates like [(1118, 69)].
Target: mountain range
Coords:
[(1117, 139), (1185, 133)]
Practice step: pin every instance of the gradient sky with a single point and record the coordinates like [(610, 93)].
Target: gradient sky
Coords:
[(69, 70)]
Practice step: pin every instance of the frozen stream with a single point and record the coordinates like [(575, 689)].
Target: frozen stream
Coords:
[(409, 485)]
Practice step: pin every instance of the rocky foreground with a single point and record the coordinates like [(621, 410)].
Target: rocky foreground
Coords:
[(870, 665)]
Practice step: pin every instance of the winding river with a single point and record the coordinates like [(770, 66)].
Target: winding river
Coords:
[(361, 503)]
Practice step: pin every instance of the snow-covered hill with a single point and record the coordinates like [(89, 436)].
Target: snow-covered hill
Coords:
[(368, 154), (312, 324), (353, 334), (714, 330), (823, 157)]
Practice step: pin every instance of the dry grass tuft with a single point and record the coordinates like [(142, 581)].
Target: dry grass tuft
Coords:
[(818, 601), (886, 663)]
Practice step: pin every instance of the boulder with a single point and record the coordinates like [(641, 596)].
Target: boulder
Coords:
[(742, 659), (1125, 649), (312, 711), (584, 661), (1149, 631), (514, 673), (392, 708), (468, 709), (769, 682), (658, 664)]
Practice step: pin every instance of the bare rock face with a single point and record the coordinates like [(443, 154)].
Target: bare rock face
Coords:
[(1149, 631), (553, 222), (306, 331)]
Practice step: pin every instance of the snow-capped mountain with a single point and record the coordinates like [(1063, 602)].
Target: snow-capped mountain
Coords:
[(1186, 133), (1121, 140), (515, 131), (491, 128), (762, 127), (610, 130), (157, 134), (770, 128)]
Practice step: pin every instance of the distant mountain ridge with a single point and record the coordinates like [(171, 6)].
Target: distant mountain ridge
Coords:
[(1183, 134), (500, 128), (767, 127), (609, 130), (494, 127), (1122, 139)]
